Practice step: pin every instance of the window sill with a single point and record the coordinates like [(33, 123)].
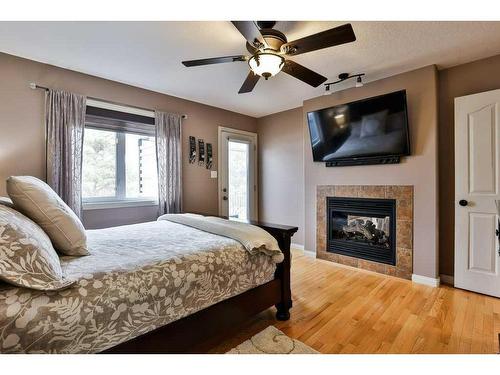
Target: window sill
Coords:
[(87, 206)]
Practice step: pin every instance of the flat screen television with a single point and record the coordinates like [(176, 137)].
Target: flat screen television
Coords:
[(361, 132)]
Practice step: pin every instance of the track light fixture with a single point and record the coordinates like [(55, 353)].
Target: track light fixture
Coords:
[(343, 77)]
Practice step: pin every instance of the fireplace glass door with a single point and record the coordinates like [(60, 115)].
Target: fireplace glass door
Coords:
[(362, 228)]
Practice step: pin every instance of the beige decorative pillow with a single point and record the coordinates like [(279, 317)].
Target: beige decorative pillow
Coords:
[(27, 258), (35, 199), (6, 202)]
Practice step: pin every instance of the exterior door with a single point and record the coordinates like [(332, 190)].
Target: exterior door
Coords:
[(477, 185), (237, 174)]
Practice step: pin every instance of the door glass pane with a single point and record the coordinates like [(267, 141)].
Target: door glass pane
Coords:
[(140, 167), (99, 164), (238, 163)]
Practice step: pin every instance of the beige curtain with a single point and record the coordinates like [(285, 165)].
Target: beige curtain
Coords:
[(65, 121), (169, 159)]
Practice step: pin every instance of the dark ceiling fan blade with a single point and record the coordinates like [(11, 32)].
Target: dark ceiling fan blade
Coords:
[(304, 74), (329, 38), (214, 60), (251, 48), (249, 83), (250, 31)]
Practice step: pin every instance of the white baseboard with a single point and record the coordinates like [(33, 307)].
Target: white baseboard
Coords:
[(425, 280), (297, 246), (447, 279), (308, 253), (300, 248)]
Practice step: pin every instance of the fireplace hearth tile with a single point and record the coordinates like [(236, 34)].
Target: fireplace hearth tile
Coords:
[(348, 261), (404, 274), (399, 192), (404, 209), (404, 226), (390, 270), (371, 192), (404, 233), (371, 266), (347, 191), (404, 259), (328, 256)]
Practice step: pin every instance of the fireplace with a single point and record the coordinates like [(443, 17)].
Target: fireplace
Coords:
[(392, 201), (364, 228)]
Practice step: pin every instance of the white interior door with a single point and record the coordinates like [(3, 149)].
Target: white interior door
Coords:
[(237, 174), (477, 181)]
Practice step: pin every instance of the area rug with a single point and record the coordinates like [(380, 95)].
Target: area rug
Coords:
[(272, 341)]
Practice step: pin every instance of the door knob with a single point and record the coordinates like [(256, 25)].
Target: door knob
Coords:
[(224, 198), (463, 202)]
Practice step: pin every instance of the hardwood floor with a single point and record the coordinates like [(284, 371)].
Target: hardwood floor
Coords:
[(344, 310)]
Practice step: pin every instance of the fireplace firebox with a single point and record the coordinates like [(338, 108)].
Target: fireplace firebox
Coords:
[(363, 228)]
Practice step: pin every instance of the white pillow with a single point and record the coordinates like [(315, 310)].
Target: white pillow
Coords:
[(35, 199), (6, 202), (27, 258)]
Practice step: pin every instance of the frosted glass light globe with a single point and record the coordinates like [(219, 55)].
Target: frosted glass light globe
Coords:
[(266, 64)]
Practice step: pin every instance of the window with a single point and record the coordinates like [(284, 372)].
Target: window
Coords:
[(119, 163)]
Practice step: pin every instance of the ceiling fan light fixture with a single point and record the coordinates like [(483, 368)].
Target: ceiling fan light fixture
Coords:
[(266, 64)]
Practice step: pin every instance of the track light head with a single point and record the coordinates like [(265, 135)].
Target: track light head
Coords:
[(359, 82)]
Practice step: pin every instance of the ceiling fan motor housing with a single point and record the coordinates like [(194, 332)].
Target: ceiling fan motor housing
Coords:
[(266, 24), (274, 38)]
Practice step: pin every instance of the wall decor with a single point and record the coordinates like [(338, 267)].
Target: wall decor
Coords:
[(192, 149), (201, 152), (209, 156)]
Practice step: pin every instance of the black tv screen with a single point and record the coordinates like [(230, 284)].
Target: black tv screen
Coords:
[(366, 128)]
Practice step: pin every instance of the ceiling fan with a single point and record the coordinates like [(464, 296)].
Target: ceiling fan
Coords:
[(269, 47)]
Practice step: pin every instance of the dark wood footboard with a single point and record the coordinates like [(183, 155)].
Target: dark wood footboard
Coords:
[(215, 322), (283, 235)]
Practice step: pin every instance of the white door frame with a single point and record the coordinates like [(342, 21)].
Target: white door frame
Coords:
[(220, 143)]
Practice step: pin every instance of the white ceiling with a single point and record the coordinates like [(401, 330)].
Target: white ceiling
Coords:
[(149, 55)]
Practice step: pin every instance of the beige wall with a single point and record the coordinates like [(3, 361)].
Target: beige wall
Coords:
[(283, 140), (466, 79), (22, 129), (419, 170), (281, 170)]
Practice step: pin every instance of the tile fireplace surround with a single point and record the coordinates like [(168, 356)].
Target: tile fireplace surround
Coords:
[(404, 226)]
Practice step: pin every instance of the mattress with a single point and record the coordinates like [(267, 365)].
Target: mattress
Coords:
[(136, 278)]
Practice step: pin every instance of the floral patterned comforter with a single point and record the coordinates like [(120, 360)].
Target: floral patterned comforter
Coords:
[(162, 272)]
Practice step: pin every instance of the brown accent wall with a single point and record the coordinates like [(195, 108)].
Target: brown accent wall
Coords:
[(22, 135), (281, 170), (466, 79)]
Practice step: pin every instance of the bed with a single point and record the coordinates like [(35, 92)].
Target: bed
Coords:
[(166, 288)]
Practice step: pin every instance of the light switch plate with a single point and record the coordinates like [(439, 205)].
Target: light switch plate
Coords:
[(213, 174)]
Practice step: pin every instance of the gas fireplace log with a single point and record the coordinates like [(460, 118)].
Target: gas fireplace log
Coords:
[(359, 226)]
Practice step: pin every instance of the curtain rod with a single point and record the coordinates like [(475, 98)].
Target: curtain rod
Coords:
[(34, 86)]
